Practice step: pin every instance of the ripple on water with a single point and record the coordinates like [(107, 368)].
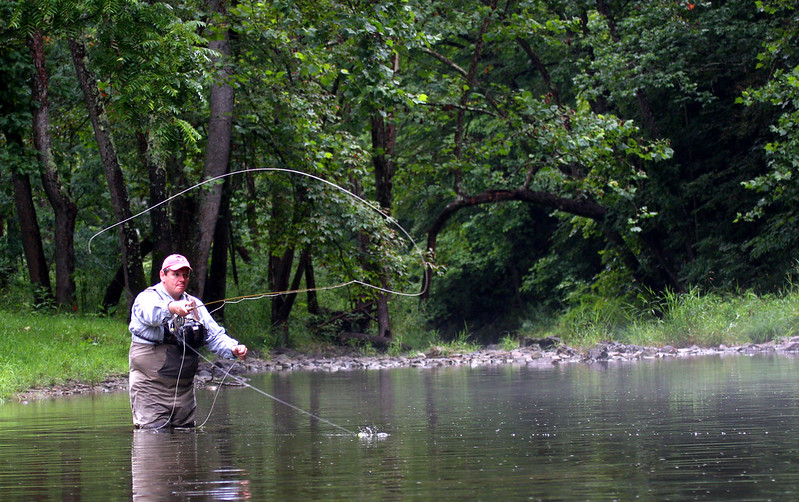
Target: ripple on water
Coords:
[(676, 430)]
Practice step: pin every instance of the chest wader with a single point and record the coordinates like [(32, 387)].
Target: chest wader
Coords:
[(162, 377)]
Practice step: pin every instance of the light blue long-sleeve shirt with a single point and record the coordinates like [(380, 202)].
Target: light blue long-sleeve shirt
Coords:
[(151, 309)]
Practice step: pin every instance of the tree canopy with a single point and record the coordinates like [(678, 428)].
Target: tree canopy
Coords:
[(537, 151)]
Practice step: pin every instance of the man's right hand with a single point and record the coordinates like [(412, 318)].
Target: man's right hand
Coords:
[(181, 307)]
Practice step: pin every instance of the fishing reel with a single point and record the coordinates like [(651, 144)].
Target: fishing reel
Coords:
[(186, 330)]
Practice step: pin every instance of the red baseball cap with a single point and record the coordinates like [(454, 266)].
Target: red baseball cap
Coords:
[(175, 262)]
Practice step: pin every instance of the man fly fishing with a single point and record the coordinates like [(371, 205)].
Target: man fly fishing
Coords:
[(167, 327)]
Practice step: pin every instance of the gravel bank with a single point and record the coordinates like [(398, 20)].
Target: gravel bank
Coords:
[(545, 352)]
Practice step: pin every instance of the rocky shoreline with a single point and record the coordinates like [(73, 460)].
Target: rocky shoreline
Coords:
[(544, 352)]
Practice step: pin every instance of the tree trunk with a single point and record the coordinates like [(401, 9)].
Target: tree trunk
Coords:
[(160, 237), (182, 210), (64, 208), (279, 273), (310, 283), (31, 238), (217, 154), (281, 258), (114, 289), (129, 242), (384, 137), (215, 288), (14, 132), (279, 277), (288, 299), (363, 301)]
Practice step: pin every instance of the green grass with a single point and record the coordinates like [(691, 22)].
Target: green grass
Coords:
[(509, 343), (38, 350)]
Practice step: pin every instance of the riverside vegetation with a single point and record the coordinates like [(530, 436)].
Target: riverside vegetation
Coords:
[(39, 350)]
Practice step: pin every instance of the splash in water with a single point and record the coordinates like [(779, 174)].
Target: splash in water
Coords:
[(371, 433)]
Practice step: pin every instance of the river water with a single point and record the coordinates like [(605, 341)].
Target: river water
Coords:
[(708, 428)]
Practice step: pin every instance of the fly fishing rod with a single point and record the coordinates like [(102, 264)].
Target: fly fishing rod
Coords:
[(257, 296), (358, 198)]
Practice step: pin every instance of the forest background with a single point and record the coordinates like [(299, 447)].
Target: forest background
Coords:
[(560, 166)]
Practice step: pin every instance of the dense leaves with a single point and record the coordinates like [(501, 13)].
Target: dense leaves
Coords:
[(543, 151)]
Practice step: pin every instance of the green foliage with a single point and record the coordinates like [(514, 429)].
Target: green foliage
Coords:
[(628, 106), (480, 272), (778, 184)]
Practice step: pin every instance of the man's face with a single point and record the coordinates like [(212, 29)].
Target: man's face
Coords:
[(175, 281)]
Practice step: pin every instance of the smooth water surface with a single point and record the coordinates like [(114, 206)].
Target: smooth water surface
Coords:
[(708, 428)]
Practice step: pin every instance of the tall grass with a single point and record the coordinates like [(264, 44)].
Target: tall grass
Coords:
[(249, 322), (691, 318), (410, 326), (592, 320), (712, 319)]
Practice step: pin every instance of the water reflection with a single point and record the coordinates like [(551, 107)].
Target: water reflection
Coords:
[(168, 465), (702, 429)]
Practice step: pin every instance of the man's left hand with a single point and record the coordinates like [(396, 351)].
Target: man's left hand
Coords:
[(239, 351)]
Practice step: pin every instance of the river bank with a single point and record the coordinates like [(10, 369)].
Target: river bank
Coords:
[(545, 352)]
